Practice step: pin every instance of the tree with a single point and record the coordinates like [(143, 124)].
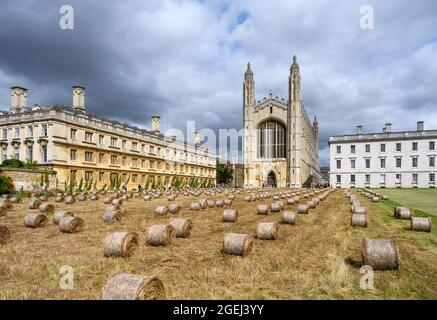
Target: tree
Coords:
[(6, 185), (12, 163), (224, 174)]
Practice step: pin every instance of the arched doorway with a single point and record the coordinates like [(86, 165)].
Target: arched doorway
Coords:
[(271, 179)]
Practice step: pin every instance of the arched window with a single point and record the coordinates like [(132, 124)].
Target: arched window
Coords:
[(271, 141)]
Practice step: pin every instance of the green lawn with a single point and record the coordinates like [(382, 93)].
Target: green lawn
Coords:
[(422, 199)]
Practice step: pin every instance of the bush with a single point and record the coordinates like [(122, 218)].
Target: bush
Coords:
[(6, 185), (12, 163)]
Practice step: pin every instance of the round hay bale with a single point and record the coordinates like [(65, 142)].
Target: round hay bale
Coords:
[(263, 209), (126, 286), (70, 224), (107, 200), (117, 202), (70, 200), (421, 224), (312, 204), (359, 210), (267, 231), (35, 220), (381, 254), (81, 197), (303, 209), (174, 208), (275, 207), (237, 244), (195, 206), (112, 215), (228, 202), (230, 215), (359, 220), (289, 217), (219, 203), (203, 204), (160, 235), (61, 214), (290, 201), (120, 244), (171, 198), (385, 197), (94, 197), (404, 213), (59, 199), (210, 203), (161, 210), (182, 227), (375, 199), (5, 235), (147, 198), (248, 199), (34, 203), (46, 207)]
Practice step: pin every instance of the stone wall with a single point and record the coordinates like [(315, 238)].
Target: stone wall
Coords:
[(29, 180)]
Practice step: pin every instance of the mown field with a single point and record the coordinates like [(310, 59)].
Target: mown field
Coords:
[(421, 199), (318, 258)]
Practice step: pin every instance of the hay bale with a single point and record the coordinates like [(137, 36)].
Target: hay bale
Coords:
[(160, 235), (275, 207), (195, 206), (5, 235), (147, 198), (375, 199), (248, 199), (161, 210), (46, 207), (289, 217), (117, 202), (34, 203), (312, 204), (385, 197), (237, 244), (228, 202), (70, 224), (403, 213), (82, 197), (358, 210), (94, 197), (59, 199), (421, 224), (267, 231), (61, 214), (111, 215), (120, 244), (381, 254), (171, 198), (303, 209), (359, 220), (174, 208), (126, 286), (219, 203), (70, 200), (210, 203), (107, 200), (35, 220), (263, 209), (203, 204), (290, 201), (182, 227), (230, 215)]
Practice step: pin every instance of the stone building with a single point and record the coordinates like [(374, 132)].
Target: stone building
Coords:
[(280, 144), (77, 144), (404, 159)]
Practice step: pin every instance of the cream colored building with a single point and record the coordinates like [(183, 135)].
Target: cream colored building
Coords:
[(77, 144), (280, 144)]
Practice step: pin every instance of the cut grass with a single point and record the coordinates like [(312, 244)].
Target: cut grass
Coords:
[(424, 200), (318, 258)]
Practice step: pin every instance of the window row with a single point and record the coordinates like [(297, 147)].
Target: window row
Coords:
[(29, 154), (382, 147), (382, 178), (382, 163), (29, 132)]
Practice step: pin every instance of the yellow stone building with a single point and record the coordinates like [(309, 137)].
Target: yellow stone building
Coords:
[(280, 144), (77, 144)]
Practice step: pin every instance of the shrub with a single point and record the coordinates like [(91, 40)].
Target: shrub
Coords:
[(12, 163), (6, 185)]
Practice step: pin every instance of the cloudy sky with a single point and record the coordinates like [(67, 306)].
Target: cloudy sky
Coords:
[(185, 60)]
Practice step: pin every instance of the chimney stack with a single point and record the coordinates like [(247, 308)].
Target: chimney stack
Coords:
[(420, 126), (79, 98), (388, 127), (360, 129), (156, 124), (196, 138), (18, 97)]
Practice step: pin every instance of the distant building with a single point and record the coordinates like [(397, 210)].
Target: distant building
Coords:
[(237, 173), (324, 171), (79, 145), (385, 159), (280, 143)]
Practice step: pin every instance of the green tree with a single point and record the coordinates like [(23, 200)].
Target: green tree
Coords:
[(29, 164), (6, 185), (12, 163), (224, 174)]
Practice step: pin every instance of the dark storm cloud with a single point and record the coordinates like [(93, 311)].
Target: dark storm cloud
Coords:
[(185, 60)]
